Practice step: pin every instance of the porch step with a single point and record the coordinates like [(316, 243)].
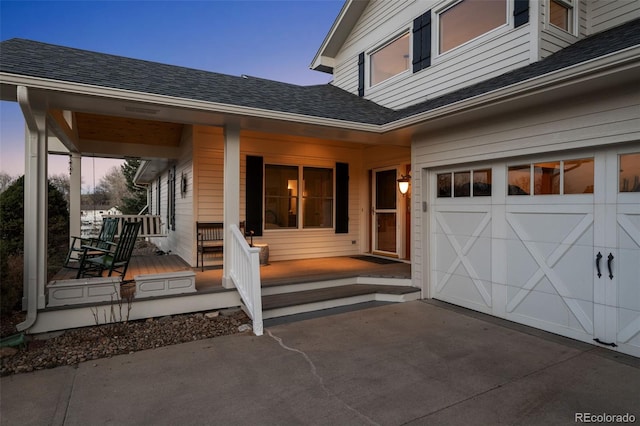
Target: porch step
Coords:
[(283, 304)]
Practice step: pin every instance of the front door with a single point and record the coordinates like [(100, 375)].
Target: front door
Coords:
[(385, 213)]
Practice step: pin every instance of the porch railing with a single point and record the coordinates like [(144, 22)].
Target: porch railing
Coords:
[(151, 224), (245, 275)]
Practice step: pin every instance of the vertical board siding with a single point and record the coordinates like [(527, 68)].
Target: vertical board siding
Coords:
[(605, 14), (495, 53)]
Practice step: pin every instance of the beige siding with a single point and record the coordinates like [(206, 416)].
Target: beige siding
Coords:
[(490, 55), (605, 14), (285, 150), (179, 241)]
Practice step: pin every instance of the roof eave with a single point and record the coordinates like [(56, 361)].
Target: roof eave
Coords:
[(341, 28), (581, 72)]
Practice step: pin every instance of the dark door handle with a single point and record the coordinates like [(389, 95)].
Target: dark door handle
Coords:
[(598, 258), (609, 260), (613, 345)]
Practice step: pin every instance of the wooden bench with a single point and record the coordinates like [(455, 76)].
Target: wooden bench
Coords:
[(210, 240)]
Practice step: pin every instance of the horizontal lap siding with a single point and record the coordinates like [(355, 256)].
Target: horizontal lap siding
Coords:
[(605, 14), (179, 241), (588, 121), (306, 243), (495, 54), (554, 39)]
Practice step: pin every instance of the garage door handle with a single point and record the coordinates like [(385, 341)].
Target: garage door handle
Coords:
[(609, 260), (598, 258), (613, 345)]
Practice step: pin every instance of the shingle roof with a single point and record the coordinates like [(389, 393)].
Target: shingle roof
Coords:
[(36, 59), (31, 58)]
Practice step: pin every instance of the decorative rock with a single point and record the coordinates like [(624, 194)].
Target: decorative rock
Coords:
[(7, 351), (211, 315), (244, 327)]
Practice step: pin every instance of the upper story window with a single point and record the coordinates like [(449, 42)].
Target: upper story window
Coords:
[(561, 14), (391, 59), (469, 19)]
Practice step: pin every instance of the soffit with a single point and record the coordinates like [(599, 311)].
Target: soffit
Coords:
[(127, 130)]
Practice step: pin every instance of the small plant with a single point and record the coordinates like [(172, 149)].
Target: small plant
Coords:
[(119, 312)]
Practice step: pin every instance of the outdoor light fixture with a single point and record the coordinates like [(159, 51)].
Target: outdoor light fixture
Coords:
[(403, 184)]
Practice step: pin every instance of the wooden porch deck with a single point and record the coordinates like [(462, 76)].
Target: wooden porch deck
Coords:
[(274, 274)]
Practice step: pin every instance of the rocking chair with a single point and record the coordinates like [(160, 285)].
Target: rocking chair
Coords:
[(106, 236), (112, 261)]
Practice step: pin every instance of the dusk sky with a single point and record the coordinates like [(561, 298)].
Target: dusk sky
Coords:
[(270, 39)]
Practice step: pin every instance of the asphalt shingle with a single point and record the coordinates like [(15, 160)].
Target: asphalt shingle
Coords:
[(31, 58)]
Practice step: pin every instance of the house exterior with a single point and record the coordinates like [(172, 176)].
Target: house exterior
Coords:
[(518, 122)]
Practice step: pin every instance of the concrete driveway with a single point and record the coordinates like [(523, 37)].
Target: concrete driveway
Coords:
[(412, 363)]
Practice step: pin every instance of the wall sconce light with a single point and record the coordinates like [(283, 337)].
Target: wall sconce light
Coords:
[(403, 184)]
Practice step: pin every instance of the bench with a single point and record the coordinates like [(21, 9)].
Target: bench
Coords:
[(210, 240)]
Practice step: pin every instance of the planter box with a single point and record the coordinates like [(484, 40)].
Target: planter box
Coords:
[(153, 285), (87, 290)]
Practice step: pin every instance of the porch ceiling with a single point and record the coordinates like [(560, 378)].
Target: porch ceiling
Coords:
[(127, 130)]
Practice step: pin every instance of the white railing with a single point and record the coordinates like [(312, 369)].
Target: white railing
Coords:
[(151, 224), (245, 275)]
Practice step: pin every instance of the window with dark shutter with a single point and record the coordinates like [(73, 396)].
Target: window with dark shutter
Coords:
[(361, 74), (253, 201), (422, 42), (520, 12), (171, 199), (342, 198)]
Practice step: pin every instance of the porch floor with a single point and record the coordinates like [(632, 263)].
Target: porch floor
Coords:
[(273, 274)]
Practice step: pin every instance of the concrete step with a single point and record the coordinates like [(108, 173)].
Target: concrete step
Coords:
[(283, 304)]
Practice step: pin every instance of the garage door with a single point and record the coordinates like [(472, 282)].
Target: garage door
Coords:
[(549, 242)]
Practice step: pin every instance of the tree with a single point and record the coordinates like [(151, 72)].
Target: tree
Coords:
[(12, 238), (114, 184), (136, 199), (61, 182), (5, 180)]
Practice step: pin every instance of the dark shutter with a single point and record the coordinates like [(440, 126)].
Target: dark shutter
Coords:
[(361, 74), (342, 198), (422, 42), (520, 12), (254, 177)]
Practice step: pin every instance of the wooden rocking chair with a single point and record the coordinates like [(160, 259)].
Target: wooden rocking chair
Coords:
[(106, 236), (112, 261)]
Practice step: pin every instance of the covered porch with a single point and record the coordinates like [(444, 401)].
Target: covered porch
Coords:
[(287, 287)]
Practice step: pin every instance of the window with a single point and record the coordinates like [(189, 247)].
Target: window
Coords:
[(561, 14), (629, 178), (317, 198), (469, 19), (283, 198), (459, 184), (552, 178), (390, 60)]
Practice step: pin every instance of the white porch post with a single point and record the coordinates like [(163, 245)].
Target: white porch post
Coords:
[(75, 183), (231, 196), (35, 207)]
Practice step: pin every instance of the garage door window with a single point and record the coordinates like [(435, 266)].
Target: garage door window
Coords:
[(459, 185), (552, 178), (630, 173)]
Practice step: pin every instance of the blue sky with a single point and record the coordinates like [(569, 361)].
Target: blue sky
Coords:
[(270, 39)]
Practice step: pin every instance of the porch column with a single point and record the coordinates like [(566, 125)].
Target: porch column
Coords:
[(75, 189), (231, 196), (35, 206)]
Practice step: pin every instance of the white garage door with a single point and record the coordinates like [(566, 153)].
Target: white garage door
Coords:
[(525, 241)]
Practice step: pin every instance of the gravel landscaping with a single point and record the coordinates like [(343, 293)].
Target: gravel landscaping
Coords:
[(103, 341)]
